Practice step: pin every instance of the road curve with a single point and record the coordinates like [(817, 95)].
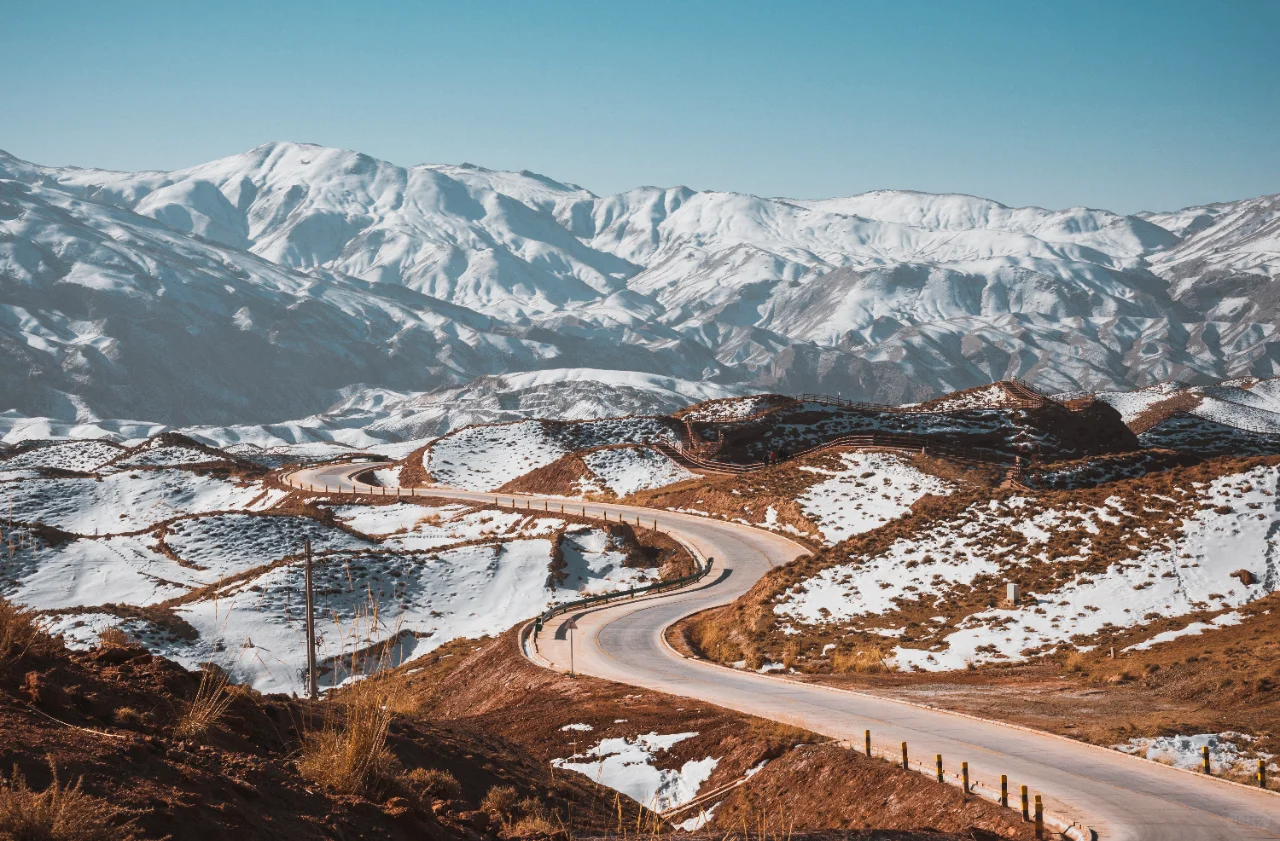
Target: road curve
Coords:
[(1119, 796)]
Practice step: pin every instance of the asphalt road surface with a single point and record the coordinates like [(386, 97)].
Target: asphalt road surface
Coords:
[(1118, 796)]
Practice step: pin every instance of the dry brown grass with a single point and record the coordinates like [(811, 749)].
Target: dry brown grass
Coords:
[(113, 637), (349, 753), (1074, 661), (501, 799), (20, 631), (128, 717), (860, 661), (207, 707), (59, 813), (432, 784), (535, 819)]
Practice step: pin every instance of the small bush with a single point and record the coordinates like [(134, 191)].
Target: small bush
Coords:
[(59, 813), (113, 637), (430, 783), (534, 818), (501, 799), (867, 661), (204, 711), (128, 717), (20, 631), (1074, 661), (352, 756)]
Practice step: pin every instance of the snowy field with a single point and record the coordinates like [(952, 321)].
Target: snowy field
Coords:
[(625, 470), (1226, 531), (200, 569), (128, 502), (483, 458), (82, 456), (871, 490), (732, 409)]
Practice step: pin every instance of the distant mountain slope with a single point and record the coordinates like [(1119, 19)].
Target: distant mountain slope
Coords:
[(274, 283)]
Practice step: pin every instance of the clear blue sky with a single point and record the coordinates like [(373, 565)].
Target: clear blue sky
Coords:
[(1126, 105)]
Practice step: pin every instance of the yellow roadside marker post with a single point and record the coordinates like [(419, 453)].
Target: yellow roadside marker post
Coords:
[(904, 756), (939, 759), (964, 774), (1026, 807), (868, 735), (1039, 818), (1004, 790)]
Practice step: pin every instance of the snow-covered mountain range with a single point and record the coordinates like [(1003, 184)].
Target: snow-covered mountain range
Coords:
[(277, 283)]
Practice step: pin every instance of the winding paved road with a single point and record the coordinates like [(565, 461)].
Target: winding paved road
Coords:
[(1119, 796)]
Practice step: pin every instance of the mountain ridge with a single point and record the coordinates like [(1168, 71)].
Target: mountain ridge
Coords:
[(417, 278)]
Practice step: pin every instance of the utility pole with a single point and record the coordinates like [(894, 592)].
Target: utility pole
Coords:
[(572, 624), (311, 624)]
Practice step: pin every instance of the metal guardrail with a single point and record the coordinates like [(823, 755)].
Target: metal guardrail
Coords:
[(624, 595)]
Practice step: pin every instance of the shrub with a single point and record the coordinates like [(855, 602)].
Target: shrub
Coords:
[(351, 756), (59, 813), (535, 819), (867, 661), (500, 799), (20, 631), (113, 637), (438, 785), (128, 717), (211, 701)]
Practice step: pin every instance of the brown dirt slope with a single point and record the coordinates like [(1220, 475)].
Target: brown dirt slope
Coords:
[(807, 781), (107, 717), (565, 476), (750, 629)]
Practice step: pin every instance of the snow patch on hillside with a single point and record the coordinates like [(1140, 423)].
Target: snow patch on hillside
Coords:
[(1227, 751), (626, 765), (83, 456), (625, 470), (126, 502), (871, 490), (1231, 528), (483, 458)]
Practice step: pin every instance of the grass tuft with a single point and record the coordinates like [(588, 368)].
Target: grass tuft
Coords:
[(20, 631), (349, 754), (432, 784), (113, 637), (501, 799), (864, 661), (211, 702), (59, 813)]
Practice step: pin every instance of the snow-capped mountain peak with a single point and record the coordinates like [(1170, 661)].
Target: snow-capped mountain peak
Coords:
[(888, 294)]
